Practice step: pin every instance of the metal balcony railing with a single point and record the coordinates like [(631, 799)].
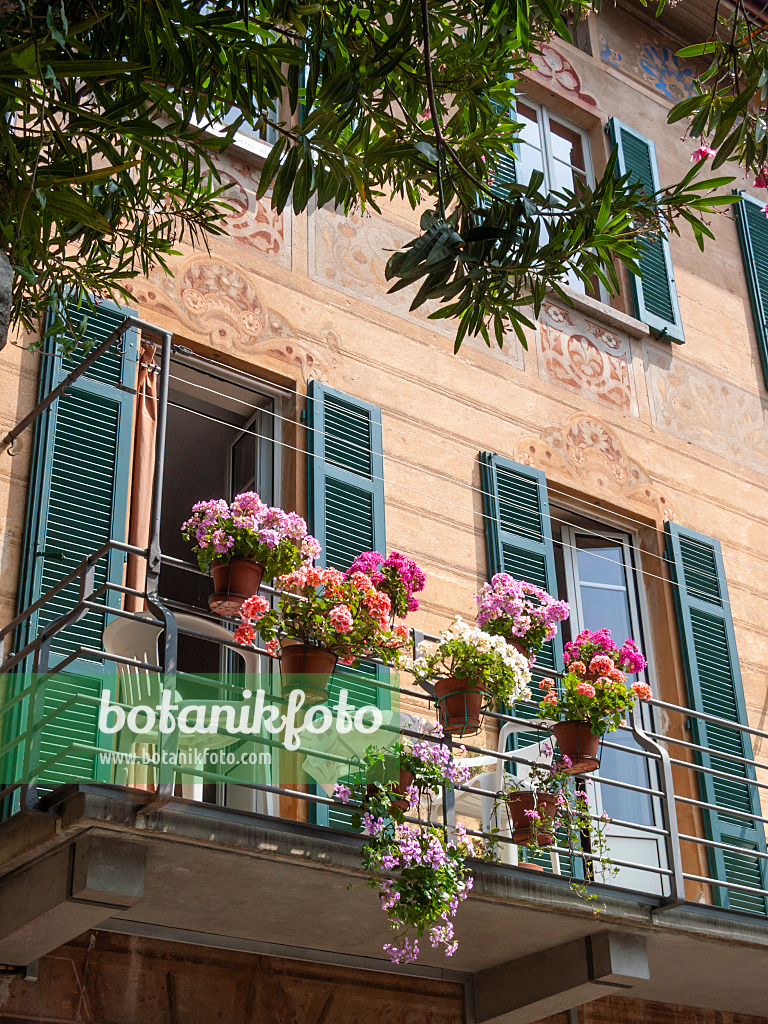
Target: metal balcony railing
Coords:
[(688, 865)]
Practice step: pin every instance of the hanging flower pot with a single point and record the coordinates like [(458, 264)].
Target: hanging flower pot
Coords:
[(406, 779), (306, 667), (527, 829), (460, 705), (233, 582), (577, 743)]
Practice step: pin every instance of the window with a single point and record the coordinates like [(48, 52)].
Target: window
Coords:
[(557, 148), (598, 577)]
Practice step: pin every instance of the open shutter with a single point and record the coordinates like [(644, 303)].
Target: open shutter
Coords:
[(78, 499), (346, 514), (518, 534), (753, 235), (714, 688), (506, 169), (655, 292)]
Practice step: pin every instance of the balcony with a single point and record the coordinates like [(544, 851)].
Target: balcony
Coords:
[(259, 873)]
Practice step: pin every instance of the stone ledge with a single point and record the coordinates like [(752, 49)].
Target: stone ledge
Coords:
[(607, 315)]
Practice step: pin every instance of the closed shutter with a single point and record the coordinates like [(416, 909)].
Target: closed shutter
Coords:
[(714, 688), (654, 291), (77, 501), (346, 514), (506, 168), (753, 234)]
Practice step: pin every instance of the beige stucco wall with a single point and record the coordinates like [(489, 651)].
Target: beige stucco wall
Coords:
[(643, 429)]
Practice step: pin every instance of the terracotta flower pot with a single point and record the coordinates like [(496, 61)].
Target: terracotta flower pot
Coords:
[(308, 668), (406, 778), (233, 582), (522, 826), (521, 648), (460, 705), (578, 743)]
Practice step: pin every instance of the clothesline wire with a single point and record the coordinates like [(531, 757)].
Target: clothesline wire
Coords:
[(552, 488), (561, 543), (453, 480)]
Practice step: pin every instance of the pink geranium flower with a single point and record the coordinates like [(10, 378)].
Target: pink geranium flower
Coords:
[(702, 153), (761, 181)]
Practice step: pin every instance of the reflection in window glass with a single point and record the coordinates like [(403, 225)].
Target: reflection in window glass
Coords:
[(606, 602)]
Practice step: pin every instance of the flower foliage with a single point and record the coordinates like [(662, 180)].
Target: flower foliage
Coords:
[(466, 652), (324, 607), (421, 875), (519, 611), (247, 528), (572, 823), (594, 688), (397, 576)]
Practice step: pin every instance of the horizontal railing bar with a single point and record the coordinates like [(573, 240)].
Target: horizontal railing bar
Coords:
[(112, 545), (700, 841), (706, 750), (726, 885), (705, 769), (712, 719), (721, 810)]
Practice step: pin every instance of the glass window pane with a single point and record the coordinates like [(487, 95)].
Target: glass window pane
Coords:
[(601, 562), (530, 160), (567, 144), (625, 767), (526, 116)]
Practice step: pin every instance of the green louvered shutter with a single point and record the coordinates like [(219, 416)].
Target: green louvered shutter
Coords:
[(753, 234), (506, 169), (655, 292), (346, 514), (714, 688), (78, 500), (518, 534)]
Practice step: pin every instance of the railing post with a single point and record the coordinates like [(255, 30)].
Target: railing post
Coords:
[(155, 554), (672, 840)]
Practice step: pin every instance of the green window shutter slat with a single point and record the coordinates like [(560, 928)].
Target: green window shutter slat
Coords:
[(346, 514), (714, 687), (77, 501), (518, 535), (506, 169), (654, 291), (753, 235)]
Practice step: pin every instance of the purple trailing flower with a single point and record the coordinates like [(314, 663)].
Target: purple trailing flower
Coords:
[(519, 611)]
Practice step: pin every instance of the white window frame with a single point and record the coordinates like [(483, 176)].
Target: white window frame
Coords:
[(544, 117), (636, 878)]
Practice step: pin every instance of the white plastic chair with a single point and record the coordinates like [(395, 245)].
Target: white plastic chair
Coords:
[(477, 805), (138, 639), (325, 772)]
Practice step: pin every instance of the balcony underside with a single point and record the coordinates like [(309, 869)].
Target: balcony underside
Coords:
[(218, 877)]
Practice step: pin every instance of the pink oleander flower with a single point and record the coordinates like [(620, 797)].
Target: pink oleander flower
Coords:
[(585, 690), (244, 634), (765, 210), (702, 153), (253, 608), (578, 668), (601, 664), (761, 181), (341, 619), (642, 691)]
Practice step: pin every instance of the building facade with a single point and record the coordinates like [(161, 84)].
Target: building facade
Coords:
[(619, 461)]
